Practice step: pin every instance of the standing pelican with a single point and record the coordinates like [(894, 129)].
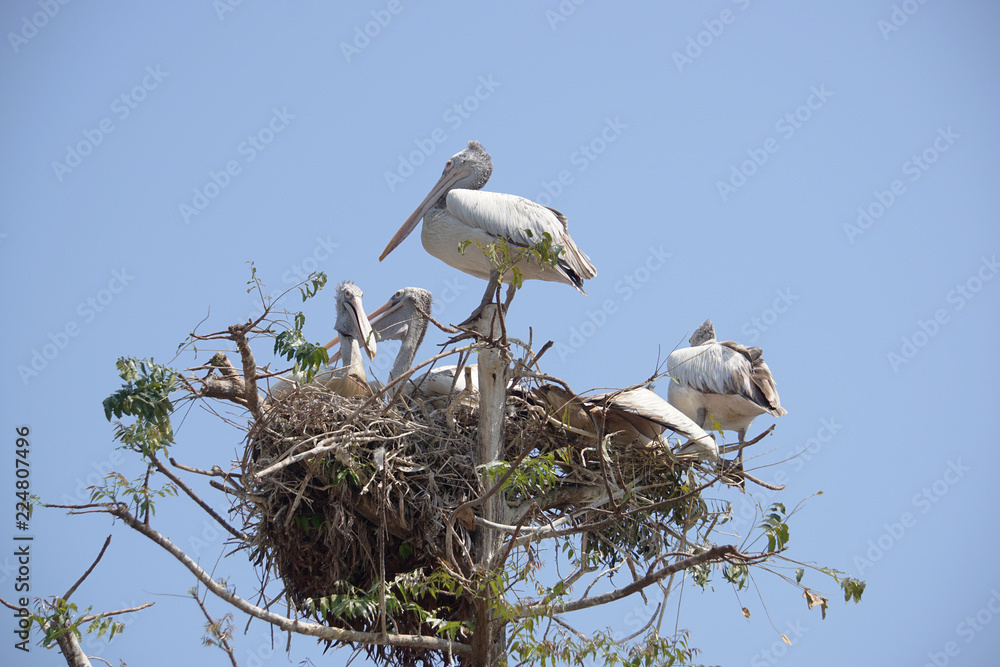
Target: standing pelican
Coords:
[(726, 380), (456, 210)]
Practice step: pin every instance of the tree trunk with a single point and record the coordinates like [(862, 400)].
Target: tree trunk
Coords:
[(71, 650), (489, 640)]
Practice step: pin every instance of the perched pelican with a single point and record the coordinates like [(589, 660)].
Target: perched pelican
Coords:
[(637, 414), (355, 331), (456, 210), (726, 380)]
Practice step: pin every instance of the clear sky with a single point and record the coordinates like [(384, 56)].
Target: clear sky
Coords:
[(818, 178)]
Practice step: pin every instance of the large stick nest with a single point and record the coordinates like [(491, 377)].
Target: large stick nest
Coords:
[(345, 494)]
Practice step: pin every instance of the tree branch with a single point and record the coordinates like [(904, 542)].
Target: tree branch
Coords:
[(282, 622), (725, 552), (201, 503), (238, 334), (72, 589), (118, 612)]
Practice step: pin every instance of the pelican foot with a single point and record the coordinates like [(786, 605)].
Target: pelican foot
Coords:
[(473, 319)]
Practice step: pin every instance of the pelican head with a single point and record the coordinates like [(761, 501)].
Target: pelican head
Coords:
[(466, 170), (393, 319), (703, 334), (351, 319)]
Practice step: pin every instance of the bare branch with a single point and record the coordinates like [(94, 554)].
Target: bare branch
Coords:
[(118, 612), (223, 640), (72, 589), (201, 503), (725, 552), (238, 334)]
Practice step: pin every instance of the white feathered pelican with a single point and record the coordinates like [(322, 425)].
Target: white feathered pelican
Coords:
[(457, 210), (355, 332), (726, 380)]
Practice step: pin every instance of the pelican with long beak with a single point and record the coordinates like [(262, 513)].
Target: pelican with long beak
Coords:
[(456, 210), (355, 333)]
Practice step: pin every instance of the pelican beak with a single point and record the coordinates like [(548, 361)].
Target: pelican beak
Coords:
[(441, 188), (364, 327), (378, 314), (383, 312)]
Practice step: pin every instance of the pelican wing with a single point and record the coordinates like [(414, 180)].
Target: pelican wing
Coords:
[(565, 406), (765, 391), (441, 381), (647, 405), (726, 368), (512, 217)]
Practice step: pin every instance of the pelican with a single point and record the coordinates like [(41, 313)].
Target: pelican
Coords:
[(402, 321), (637, 414), (456, 210), (726, 380), (399, 319), (355, 331)]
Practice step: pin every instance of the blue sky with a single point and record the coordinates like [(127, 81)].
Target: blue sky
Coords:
[(818, 178)]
